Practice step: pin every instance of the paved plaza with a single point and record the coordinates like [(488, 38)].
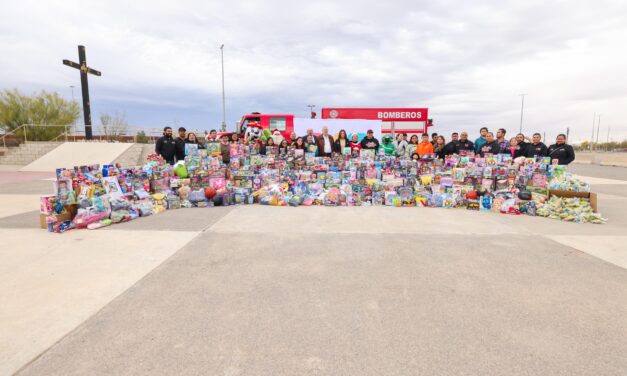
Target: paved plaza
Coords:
[(258, 290)]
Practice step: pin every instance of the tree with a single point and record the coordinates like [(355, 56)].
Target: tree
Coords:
[(47, 113), (113, 126), (141, 138)]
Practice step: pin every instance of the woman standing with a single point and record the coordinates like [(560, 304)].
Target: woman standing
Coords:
[(300, 144), (561, 151), (438, 149), (341, 142), (515, 149), (283, 147), (269, 143)]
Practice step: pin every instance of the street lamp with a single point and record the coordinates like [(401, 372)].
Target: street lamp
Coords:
[(223, 104), (311, 107), (522, 109)]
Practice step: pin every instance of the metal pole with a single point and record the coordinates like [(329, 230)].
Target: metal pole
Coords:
[(311, 107), (522, 109), (74, 124), (598, 128), (223, 101), (594, 118)]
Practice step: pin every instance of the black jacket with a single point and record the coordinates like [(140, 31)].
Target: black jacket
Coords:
[(539, 150), (166, 147), (450, 148), (337, 146), (490, 148), (563, 153), (464, 145), (367, 143), (180, 149), (520, 151)]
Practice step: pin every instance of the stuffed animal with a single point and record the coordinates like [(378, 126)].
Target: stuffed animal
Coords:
[(253, 132), (184, 192)]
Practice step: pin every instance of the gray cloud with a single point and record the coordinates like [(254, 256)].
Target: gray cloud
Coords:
[(466, 61)]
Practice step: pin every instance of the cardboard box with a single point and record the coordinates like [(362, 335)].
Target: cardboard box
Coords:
[(60, 218), (589, 195)]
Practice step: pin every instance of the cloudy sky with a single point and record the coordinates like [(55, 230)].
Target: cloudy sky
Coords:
[(466, 61)]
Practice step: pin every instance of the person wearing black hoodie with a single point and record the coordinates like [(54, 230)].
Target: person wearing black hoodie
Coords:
[(166, 146), (491, 145), (464, 144), (451, 147), (180, 144), (561, 151), (536, 148)]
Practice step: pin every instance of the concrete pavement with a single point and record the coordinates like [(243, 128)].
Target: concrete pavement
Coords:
[(265, 290)]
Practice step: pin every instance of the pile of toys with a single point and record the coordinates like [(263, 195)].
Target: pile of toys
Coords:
[(94, 196)]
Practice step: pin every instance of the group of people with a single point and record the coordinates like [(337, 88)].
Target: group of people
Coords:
[(324, 144)]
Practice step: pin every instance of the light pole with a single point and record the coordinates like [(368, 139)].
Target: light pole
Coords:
[(73, 125), (223, 104), (522, 109), (594, 119), (311, 107)]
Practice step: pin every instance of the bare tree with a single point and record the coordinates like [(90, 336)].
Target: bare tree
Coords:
[(113, 126)]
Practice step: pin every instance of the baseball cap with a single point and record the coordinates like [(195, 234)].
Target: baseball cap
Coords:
[(369, 131)]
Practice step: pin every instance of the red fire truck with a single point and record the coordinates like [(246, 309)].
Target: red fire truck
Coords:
[(401, 120)]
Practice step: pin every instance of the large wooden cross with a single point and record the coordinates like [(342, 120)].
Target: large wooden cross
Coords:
[(82, 66)]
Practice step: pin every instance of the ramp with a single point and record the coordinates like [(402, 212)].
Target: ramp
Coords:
[(70, 154)]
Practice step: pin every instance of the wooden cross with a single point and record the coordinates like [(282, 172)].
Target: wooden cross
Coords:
[(82, 66)]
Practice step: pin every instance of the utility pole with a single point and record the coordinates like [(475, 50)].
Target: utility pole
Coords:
[(522, 109), (311, 110), (594, 118), (223, 101), (567, 133)]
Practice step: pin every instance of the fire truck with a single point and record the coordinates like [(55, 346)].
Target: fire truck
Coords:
[(397, 120)]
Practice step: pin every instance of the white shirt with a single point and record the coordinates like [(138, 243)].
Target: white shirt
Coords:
[(327, 144)]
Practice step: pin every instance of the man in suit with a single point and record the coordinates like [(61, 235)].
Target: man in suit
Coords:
[(325, 143)]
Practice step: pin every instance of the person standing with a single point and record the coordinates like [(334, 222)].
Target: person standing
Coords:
[(325, 143), (370, 142), (451, 147), (166, 146), (180, 144), (400, 145), (561, 151), (293, 138), (311, 133), (424, 147), (479, 142), (522, 144), (434, 139), (225, 149), (312, 146), (491, 146), (515, 149), (213, 136), (341, 142), (503, 142), (464, 144), (355, 145), (536, 148), (191, 139), (439, 147)]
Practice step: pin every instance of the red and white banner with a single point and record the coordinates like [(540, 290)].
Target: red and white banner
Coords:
[(383, 114)]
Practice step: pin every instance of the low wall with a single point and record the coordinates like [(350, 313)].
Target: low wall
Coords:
[(603, 159)]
